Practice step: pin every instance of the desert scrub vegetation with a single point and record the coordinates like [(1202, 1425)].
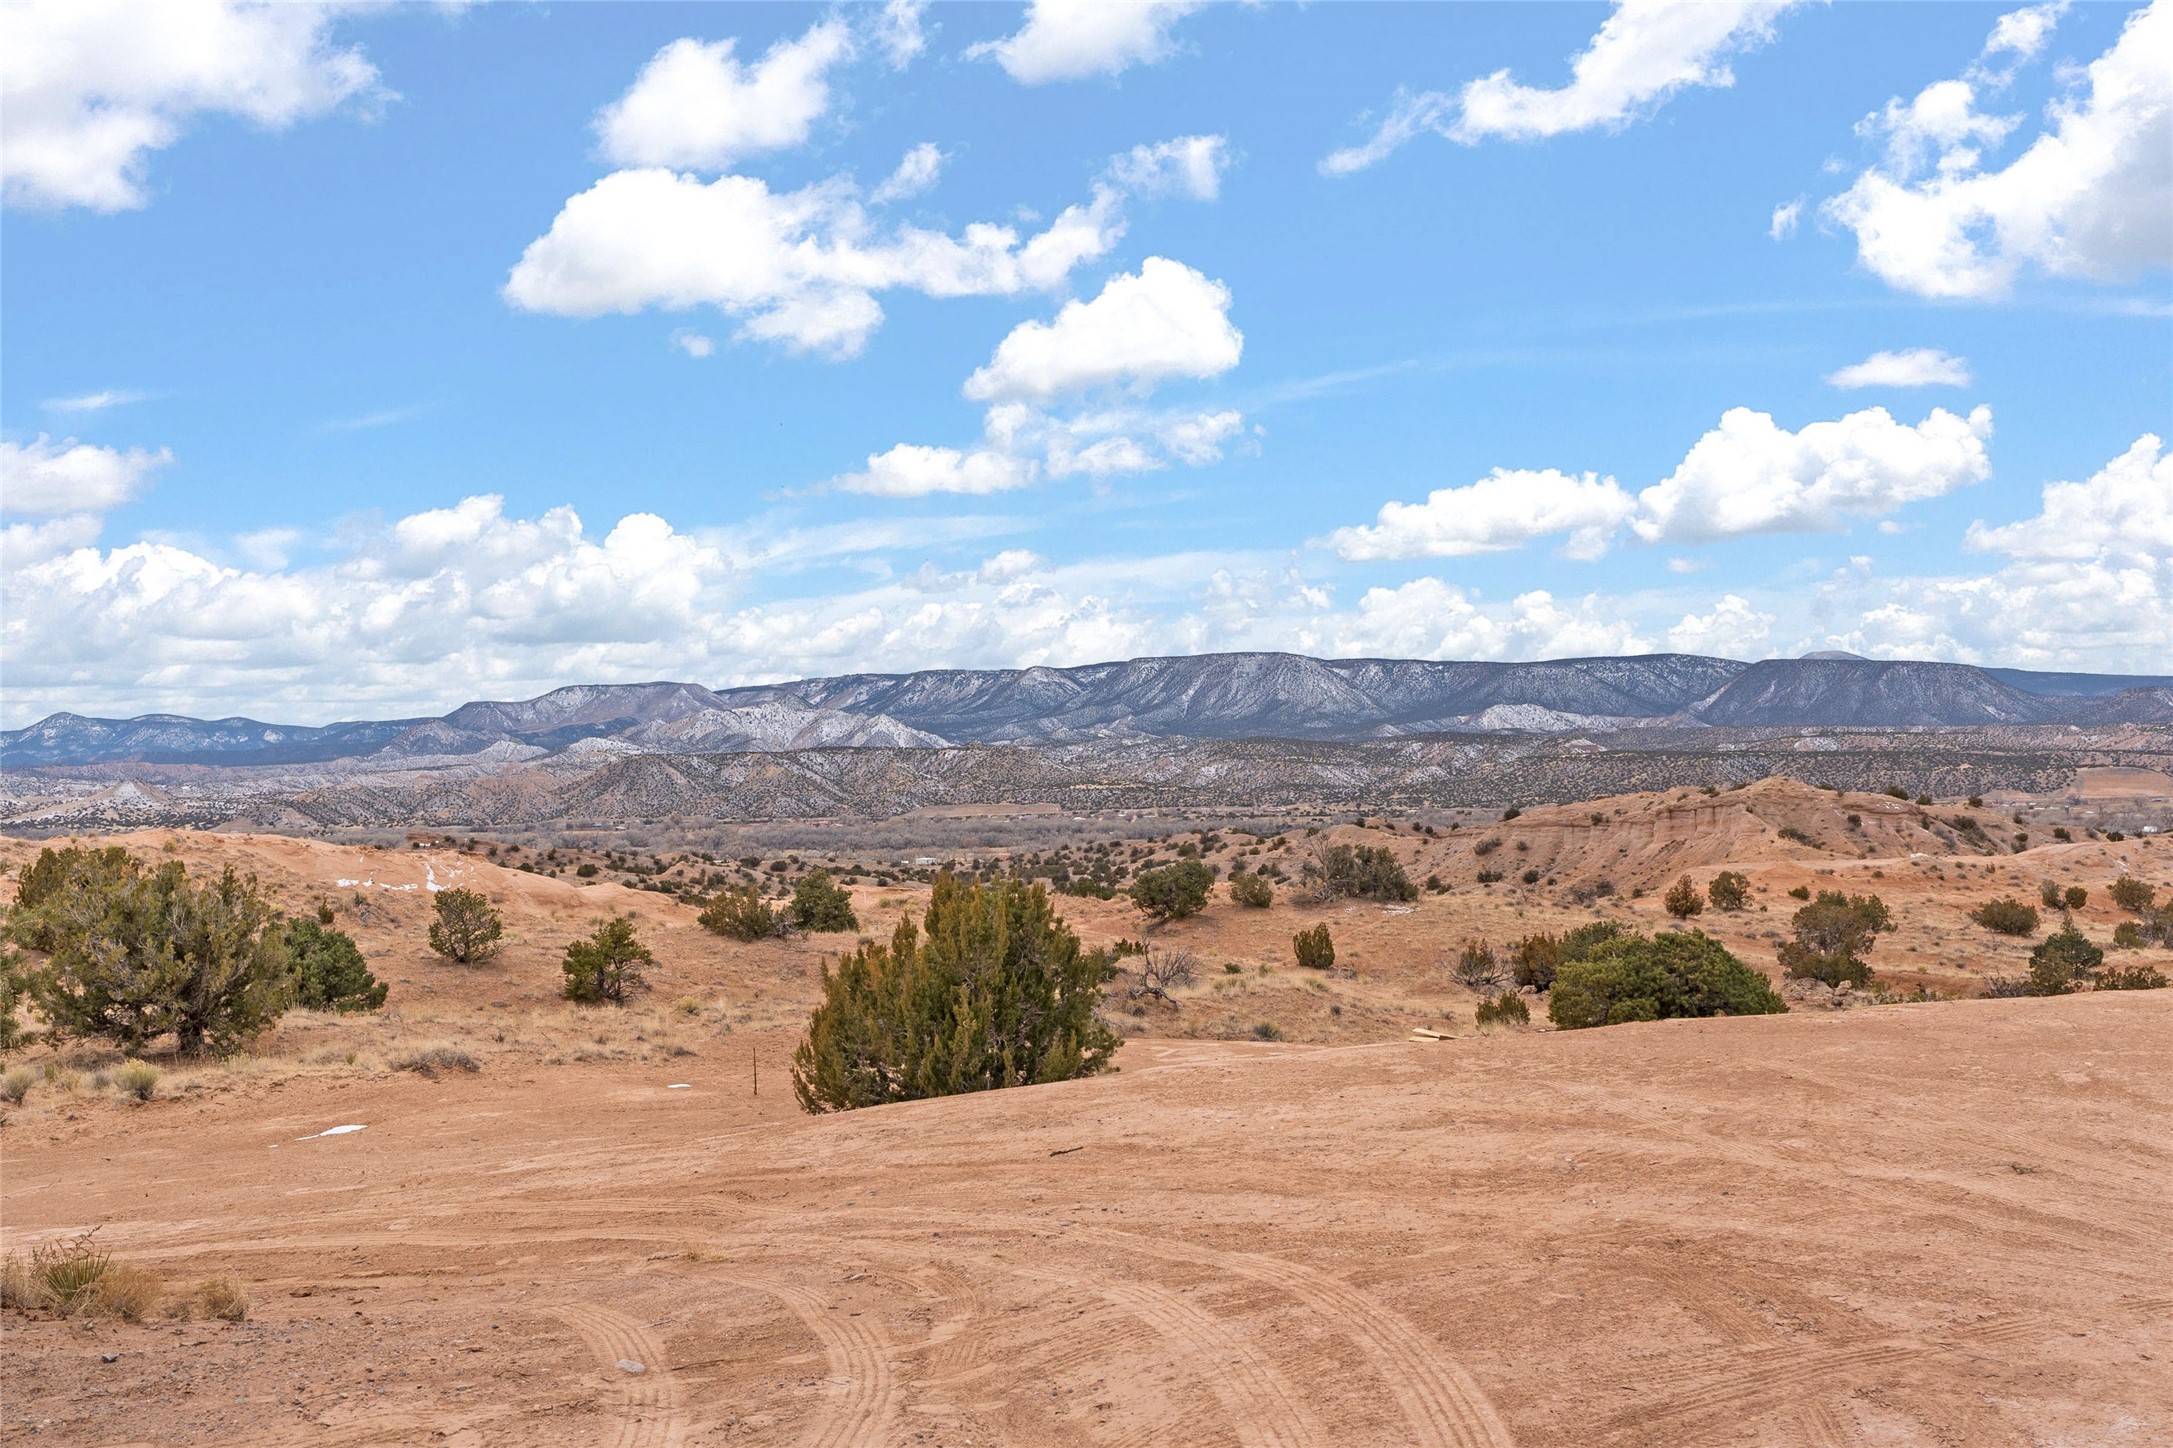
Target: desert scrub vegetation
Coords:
[(2132, 895), (1534, 960), (468, 928), (1314, 948), (137, 1080), (1172, 892), (1358, 872), (992, 991), (820, 906), (1506, 1009), (607, 966), (2006, 916), (1728, 891), (428, 1061), (1635, 977), (741, 914), (1683, 900), (77, 1278), (1252, 891), (129, 955), (1832, 935), (329, 972)]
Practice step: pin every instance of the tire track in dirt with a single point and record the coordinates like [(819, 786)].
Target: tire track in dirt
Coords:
[(651, 1414), (858, 1355)]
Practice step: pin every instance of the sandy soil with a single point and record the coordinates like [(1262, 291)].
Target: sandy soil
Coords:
[(1900, 1224), (1910, 1224)]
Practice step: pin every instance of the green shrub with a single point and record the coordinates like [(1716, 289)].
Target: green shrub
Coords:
[(2075, 897), (821, 907), (1728, 891), (1833, 934), (2132, 977), (11, 996), (2006, 916), (586, 871), (1506, 1009), (2132, 894), (741, 914), (2127, 935), (1641, 978), (137, 1079), (1172, 892), (468, 927), (2064, 962), (994, 992), (2048, 894), (329, 972), (1314, 949), (1801, 892), (1534, 960), (1252, 891), (607, 966), (1682, 899), (131, 956), (1359, 872)]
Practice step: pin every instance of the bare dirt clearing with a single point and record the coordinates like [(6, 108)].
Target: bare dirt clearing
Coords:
[(1902, 1224)]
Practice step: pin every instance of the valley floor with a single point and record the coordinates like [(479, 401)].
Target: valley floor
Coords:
[(1939, 1223)]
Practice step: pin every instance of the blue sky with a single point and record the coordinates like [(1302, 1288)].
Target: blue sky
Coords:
[(370, 360)]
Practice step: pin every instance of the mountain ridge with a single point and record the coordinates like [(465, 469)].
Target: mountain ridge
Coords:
[(1203, 696)]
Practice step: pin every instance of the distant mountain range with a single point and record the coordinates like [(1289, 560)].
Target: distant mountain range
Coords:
[(1206, 696)]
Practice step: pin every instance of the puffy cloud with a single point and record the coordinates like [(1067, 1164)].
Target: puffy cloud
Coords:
[(917, 171), (95, 86), (695, 106), (1913, 367), (1429, 619), (1188, 165), (1166, 320), (1750, 475), (692, 344), (43, 478), (22, 544), (799, 267), (1785, 218), (1074, 39), (2087, 583), (898, 32), (2023, 33), (912, 471), (1733, 629), (1505, 510), (2091, 197), (1644, 53)]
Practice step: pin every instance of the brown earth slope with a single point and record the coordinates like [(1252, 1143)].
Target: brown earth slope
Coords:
[(1911, 1224)]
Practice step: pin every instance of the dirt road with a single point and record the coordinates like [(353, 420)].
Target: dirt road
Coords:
[(1914, 1224)]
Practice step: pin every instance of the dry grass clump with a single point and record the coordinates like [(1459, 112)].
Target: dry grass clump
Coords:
[(430, 1060), (222, 1297), (77, 1278), (137, 1079), (16, 1085)]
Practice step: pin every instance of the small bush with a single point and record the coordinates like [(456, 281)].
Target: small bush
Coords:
[(2006, 916), (1162, 971), (78, 1278), (1641, 978), (1267, 1031), (1489, 877), (1530, 877), (820, 906), (222, 1298), (1728, 891), (2130, 893), (329, 972), (2074, 897), (741, 914), (16, 1085), (2007, 987), (433, 1059), (1682, 900), (1801, 892), (2132, 977), (2048, 894), (1359, 872), (1476, 967), (1314, 949), (586, 872), (137, 1079), (2064, 962), (1833, 934), (1486, 846), (606, 967), (1506, 1009), (1534, 960), (1172, 892), (1252, 891), (468, 927)]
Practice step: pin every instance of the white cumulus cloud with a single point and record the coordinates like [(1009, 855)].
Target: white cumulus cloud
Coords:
[(798, 267), (1785, 217), (1911, 367), (1734, 629), (1507, 509), (94, 87), (1074, 39), (917, 171), (696, 106), (44, 479), (2091, 197), (1188, 165), (1644, 53), (1165, 320), (910, 470), (898, 31), (1750, 475)]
